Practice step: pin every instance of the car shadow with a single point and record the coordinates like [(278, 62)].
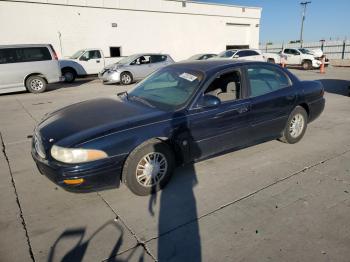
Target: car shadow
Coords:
[(336, 86), (77, 251), (76, 83)]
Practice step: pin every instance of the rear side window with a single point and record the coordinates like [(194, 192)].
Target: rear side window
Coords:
[(21, 55), (158, 58), (265, 80)]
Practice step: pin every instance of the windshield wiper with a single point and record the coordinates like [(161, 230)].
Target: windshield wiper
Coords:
[(123, 93), (140, 99)]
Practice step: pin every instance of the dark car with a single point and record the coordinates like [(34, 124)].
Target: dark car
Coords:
[(179, 114)]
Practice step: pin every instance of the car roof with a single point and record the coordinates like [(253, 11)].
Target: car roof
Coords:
[(207, 66), (24, 45)]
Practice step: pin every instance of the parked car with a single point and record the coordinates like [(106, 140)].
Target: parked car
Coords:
[(296, 57), (28, 67), (317, 53), (85, 62), (242, 54), (201, 57), (133, 68), (182, 112)]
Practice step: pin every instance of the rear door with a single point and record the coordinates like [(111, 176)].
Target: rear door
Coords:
[(272, 99), (92, 62), (159, 61)]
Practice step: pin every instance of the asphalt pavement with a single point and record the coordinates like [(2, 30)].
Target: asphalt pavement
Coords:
[(269, 202)]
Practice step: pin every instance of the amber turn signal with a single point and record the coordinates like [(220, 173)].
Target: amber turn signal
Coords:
[(77, 181)]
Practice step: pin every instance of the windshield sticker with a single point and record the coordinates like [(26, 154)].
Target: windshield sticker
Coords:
[(188, 77)]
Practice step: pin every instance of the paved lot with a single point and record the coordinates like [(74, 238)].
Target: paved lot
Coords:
[(270, 202)]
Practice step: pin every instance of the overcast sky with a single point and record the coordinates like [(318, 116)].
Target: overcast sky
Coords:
[(281, 19)]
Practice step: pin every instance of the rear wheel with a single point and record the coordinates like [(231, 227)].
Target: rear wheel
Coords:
[(148, 168), (36, 84), (306, 65), (296, 126)]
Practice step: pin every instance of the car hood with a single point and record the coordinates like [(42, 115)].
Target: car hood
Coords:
[(81, 122)]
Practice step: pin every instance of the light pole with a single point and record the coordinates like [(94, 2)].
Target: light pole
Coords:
[(304, 4)]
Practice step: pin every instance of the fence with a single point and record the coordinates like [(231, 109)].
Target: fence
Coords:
[(332, 49)]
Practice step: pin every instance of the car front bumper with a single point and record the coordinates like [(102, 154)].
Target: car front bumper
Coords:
[(100, 174), (110, 77)]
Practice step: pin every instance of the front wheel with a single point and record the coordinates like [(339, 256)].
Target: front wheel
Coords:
[(296, 126), (148, 168), (69, 75), (126, 78), (306, 65)]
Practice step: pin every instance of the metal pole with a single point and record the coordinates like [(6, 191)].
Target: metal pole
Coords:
[(343, 51), (59, 38), (304, 4)]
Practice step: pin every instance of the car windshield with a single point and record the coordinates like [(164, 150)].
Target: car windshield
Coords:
[(227, 53), (77, 54), (128, 59), (195, 57), (168, 88)]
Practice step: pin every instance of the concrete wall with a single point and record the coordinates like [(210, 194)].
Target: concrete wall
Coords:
[(142, 25)]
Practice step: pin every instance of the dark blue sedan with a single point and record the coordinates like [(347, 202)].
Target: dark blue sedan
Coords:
[(181, 113)]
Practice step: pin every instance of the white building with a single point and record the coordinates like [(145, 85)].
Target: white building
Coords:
[(179, 28)]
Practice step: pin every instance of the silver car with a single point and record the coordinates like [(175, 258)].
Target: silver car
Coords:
[(133, 68), (28, 67)]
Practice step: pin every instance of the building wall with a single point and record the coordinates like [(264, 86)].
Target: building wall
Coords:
[(142, 25)]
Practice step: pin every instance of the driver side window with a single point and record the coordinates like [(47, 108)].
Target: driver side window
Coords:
[(145, 59), (227, 87)]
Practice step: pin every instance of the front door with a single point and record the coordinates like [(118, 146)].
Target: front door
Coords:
[(214, 130), (141, 67), (92, 62)]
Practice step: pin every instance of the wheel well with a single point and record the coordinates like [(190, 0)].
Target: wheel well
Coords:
[(271, 59), (67, 68), (127, 72), (307, 60), (306, 107), (34, 74)]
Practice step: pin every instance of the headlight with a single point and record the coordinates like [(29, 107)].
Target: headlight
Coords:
[(76, 155)]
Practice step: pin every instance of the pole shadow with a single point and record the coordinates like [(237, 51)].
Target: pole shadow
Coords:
[(77, 252), (178, 229)]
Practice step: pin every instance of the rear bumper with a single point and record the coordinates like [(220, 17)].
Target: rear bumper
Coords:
[(99, 174), (316, 108)]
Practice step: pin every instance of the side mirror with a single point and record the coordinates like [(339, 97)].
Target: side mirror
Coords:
[(210, 101), (236, 56)]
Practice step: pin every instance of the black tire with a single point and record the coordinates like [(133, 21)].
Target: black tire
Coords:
[(271, 60), (306, 65), (69, 75), (36, 84), (126, 78), (133, 177), (288, 136)]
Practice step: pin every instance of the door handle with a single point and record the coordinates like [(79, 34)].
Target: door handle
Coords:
[(97, 61), (239, 110)]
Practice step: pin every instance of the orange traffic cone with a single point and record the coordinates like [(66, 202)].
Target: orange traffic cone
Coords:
[(322, 67)]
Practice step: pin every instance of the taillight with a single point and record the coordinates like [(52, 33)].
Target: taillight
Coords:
[(54, 53), (322, 92)]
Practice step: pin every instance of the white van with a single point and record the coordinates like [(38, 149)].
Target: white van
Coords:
[(28, 67)]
